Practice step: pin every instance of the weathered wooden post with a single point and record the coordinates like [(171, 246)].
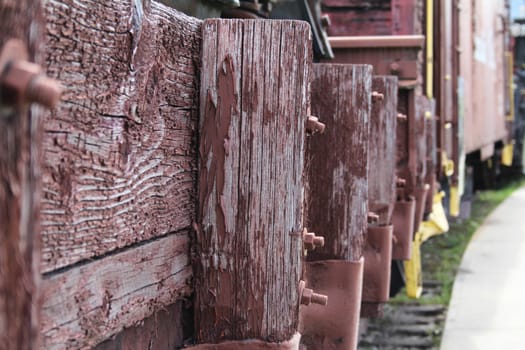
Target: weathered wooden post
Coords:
[(381, 195), (254, 106), (337, 203), (22, 82), (119, 176)]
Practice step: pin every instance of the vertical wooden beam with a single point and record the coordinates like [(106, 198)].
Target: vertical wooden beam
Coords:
[(381, 196), (338, 160), (382, 150), (254, 103), (337, 203), (20, 138)]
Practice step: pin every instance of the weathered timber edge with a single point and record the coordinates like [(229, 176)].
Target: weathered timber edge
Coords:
[(120, 150), (254, 104), (88, 304), (338, 160)]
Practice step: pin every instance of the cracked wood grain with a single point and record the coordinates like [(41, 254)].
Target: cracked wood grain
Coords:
[(382, 150), (338, 160), (88, 304), (255, 98), (120, 151)]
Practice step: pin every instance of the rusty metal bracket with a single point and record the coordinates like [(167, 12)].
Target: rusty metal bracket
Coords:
[(403, 221), (23, 82), (334, 326), (377, 254)]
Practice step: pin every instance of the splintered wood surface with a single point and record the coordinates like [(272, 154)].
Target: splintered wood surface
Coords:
[(382, 150), (20, 138), (163, 330), (120, 150), (254, 104), (338, 160), (88, 304)]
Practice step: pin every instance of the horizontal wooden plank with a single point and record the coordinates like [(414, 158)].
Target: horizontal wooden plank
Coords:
[(161, 331), (85, 305), (120, 153)]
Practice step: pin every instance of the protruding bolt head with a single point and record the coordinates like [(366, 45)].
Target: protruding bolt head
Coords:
[(307, 296), (313, 125), (325, 21), (394, 67), (26, 82), (377, 96), (311, 241), (400, 182), (372, 218), (401, 116)]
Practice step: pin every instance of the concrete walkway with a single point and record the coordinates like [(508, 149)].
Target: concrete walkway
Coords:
[(487, 310)]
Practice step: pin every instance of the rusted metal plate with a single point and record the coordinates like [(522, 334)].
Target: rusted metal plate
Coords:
[(396, 55), (403, 221), (334, 326), (407, 17), (364, 21), (254, 105), (337, 168), (382, 150), (378, 256), (380, 17)]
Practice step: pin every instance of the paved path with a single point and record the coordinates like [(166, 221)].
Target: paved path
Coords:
[(487, 310)]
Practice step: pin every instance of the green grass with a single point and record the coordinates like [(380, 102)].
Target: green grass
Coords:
[(441, 255)]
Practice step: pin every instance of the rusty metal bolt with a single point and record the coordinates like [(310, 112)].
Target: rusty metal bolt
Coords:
[(313, 125), (400, 182), (307, 296), (377, 96), (394, 67), (325, 21), (311, 241), (402, 117), (372, 218), (27, 83)]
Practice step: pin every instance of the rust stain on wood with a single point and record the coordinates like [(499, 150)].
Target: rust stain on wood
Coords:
[(254, 88), (120, 151), (338, 160)]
